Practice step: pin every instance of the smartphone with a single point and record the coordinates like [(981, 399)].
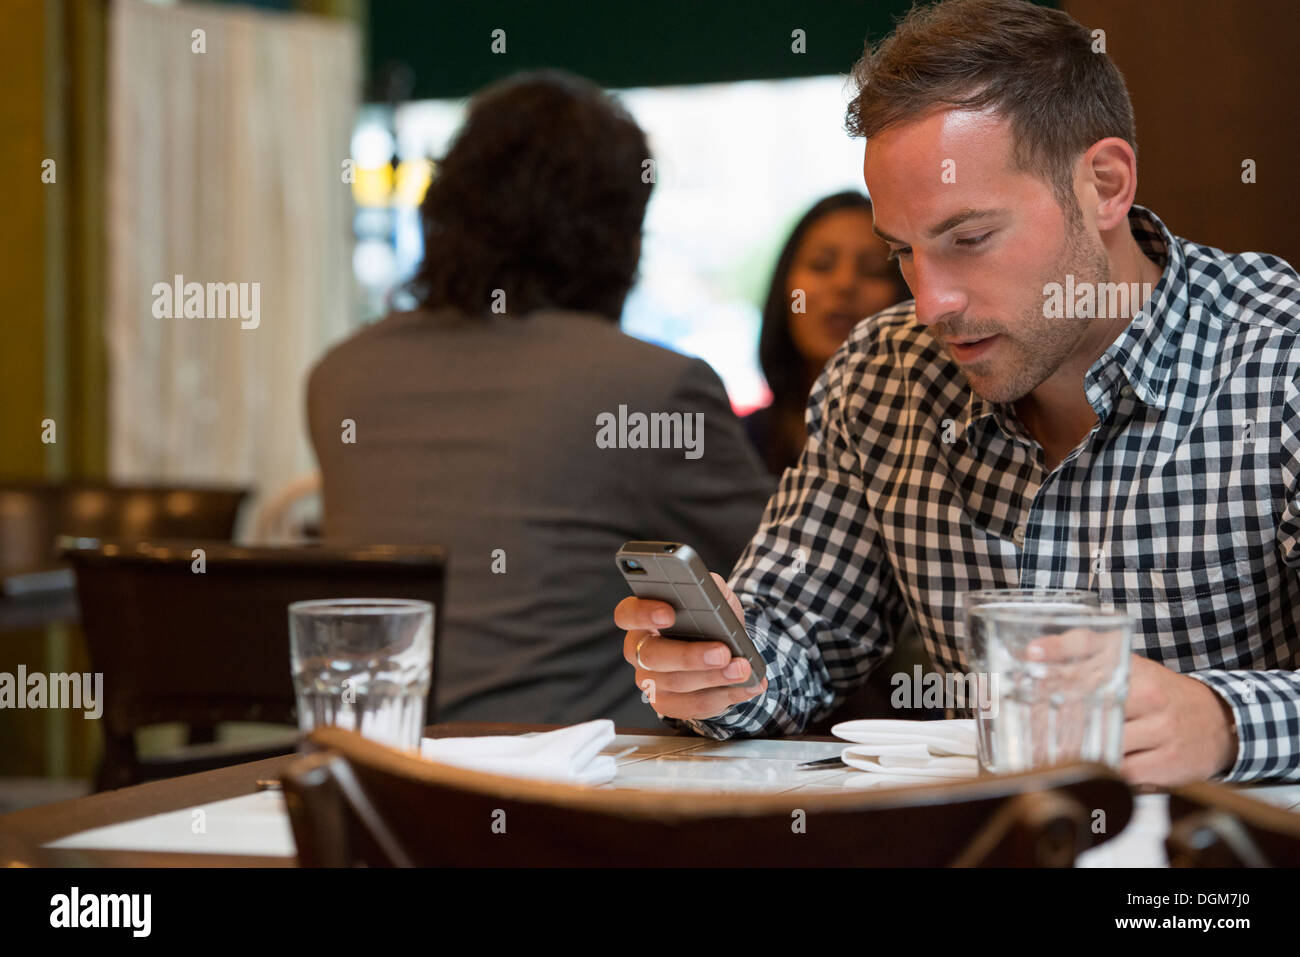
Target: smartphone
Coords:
[(673, 573)]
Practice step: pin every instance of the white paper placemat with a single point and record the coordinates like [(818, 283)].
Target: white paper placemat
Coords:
[(255, 824)]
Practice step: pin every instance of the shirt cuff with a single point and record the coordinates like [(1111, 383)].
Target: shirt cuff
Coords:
[(715, 728), (1264, 709)]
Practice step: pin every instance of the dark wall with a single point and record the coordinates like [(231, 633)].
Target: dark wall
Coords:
[(1213, 83), (618, 43)]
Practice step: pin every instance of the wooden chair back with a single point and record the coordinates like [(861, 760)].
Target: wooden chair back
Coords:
[(198, 632), (354, 802)]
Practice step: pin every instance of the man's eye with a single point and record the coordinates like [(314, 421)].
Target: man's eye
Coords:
[(894, 254), (974, 240)]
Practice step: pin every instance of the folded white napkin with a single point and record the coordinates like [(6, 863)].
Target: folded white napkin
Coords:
[(571, 755), (894, 753)]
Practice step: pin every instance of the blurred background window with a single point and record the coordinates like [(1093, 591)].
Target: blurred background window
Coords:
[(736, 165)]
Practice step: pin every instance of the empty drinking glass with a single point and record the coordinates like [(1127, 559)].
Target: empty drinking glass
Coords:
[(363, 664), (973, 643), (1062, 680)]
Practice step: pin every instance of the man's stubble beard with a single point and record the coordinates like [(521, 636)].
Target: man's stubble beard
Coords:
[(1025, 365)]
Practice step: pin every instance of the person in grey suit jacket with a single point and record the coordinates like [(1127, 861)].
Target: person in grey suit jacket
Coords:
[(510, 420)]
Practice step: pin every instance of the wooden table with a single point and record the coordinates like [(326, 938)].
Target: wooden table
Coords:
[(23, 832)]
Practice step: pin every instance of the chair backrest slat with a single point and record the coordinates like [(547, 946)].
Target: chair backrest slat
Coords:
[(444, 816), (1217, 826)]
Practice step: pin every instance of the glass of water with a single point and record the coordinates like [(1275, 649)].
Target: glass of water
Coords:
[(973, 644), (1062, 680), (363, 664)]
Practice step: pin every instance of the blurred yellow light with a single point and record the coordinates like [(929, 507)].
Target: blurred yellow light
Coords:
[(413, 178), (373, 185)]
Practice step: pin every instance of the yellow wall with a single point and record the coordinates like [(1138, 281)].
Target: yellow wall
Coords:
[(51, 295), (22, 239)]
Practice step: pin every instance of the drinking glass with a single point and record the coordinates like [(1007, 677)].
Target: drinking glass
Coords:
[(363, 664), (1062, 680), (972, 643)]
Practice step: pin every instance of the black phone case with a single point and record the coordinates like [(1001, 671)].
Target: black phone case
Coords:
[(679, 578)]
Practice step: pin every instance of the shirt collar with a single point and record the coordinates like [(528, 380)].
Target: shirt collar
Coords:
[(1144, 352), (1147, 348)]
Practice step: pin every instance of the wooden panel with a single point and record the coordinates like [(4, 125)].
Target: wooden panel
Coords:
[(1212, 84)]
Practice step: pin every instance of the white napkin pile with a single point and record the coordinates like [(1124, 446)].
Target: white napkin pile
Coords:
[(893, 753), (571, 755)]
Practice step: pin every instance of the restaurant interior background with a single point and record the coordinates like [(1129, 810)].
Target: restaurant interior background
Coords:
[(312, 129)]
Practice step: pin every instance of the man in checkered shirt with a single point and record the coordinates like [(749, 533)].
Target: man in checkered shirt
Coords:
[(978, 438)]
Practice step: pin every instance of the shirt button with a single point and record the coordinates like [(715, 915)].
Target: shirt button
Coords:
[(1019, 535), (1126, 391)]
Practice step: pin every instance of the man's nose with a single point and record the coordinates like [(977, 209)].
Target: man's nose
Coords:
[(937, 296)]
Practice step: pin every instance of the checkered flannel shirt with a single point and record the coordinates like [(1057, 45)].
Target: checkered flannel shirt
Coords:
[(1181, 507)]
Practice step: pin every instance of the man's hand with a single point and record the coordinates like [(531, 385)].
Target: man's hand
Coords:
[(682, 679), (1176, 729)]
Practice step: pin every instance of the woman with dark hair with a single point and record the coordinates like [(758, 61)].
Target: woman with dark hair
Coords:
[(832, 273)]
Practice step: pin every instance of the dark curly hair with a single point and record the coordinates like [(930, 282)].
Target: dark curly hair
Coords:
[(542, 195), (783, 367)]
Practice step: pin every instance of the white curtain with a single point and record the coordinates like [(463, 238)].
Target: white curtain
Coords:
[(225, 167)]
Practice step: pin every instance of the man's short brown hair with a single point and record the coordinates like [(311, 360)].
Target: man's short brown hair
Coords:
[(1033, 65)]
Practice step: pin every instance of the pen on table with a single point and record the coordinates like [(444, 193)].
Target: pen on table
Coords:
[(835, 762)]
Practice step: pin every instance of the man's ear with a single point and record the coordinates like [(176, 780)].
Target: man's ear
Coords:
[(1109, 170)]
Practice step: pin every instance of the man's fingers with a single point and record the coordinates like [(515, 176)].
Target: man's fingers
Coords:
[(683, 679), (1143, 734), (1145, 692), (701, 704), (670, 654), (1072, 645), (729, 595), (1157, 766), (684, 682), (1142, 767), (643, 614)]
